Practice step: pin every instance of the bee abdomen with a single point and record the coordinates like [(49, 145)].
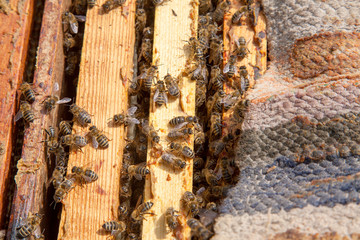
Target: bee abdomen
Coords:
[(29, 96), (103, 141), (65, 128), (25, 231), (29, 116), (177, 120), (188, 152), (91, 174), (111, 226)]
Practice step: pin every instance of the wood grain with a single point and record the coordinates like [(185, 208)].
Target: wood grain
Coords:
[(107, 48), (30, 193), (15, 18), (165, 186)]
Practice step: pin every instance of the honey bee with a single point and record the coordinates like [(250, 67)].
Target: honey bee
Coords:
[(27, 92), (241, 49), (254, 10), (217, 78), (52, 100), (244, 82), (171, 218), (80, 115), (69, 41), (216, 51), (125, 190), (31, 224), (70, 22), (200, 95), (216, 147), (60, 155), (51, 141), (230, 69), (115, 227), (124, 210), (198, 178), (148, 77), (57, 176), (145, 50), (205, 6), (225, 171), (240, 108), (172, 86), (140, 211), (160, 95), (198, 229), (199, 72), (148, 33), (183, 150), (84, 175), (65, 127), (63, 189), (220, 10), (191, 203), (211, 206), (173, 161), (138, 171), (72, 60), (132, 236), (112, 4), (178, 133), (74, 140), (149, 131), (235, 19), (198, 163), (91, 3), (182, 119), (126, 119), (159, 2), (210, 177), (98, 138), (216, 125), (140, 20), (229, 100), (25, 112)]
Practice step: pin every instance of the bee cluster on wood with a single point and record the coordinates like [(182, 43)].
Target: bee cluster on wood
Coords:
[(213, 154)]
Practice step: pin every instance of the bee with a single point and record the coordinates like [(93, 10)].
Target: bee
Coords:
[(25, 112), (178, 133), (244, 82), (70, 23), (172, 86), (216, 125), (220, 10), (57, 176), (52, 100), (230, 68), (125, 190), (69, 41), (210, 177), (241, 49), (183, 150), (80, 115), (31, 224), (147, 33), (149, 131), (124, 210), (112, 4), (217, 78), (74, 140), (60, 155), (148, 77), (84, 175), (126, 119), (51, 142), (235, 19), (190, 202), (28, 92), (216, 51), (199, 72), (160, 95), (198, 229), (98, 138), (72, 60), (254, 10), (65, 127), (198, 163), (182, 119), (140, 211), (200, 95), (132, 236), (91, 3), (171, 218), (140, 21), (63, 189), (198, 178), (115, 227), (211, 206), (205, 6), (225, 171), (173, 161), (159, 2), (229, 100), (138, 171), (145, 50), (216, 147), (240, 108)]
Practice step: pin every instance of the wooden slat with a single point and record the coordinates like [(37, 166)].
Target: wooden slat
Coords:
[(15, 18), (108, 47), (165, 187), (257, 56), (30, 192)]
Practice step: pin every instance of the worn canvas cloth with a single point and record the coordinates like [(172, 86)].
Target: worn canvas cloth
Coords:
[(299, 150)]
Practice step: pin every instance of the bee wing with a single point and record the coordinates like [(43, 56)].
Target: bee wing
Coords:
[(179, 126), (226, 68), (18, 116), (156, 95), (74, 27), (138, 177), (197, 70), (86, 178), (64, 100), (165, 98), (131, 111), (95, 142), (56, 87), (142, 76), (203, 73), (80, 18), (133, 120)]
